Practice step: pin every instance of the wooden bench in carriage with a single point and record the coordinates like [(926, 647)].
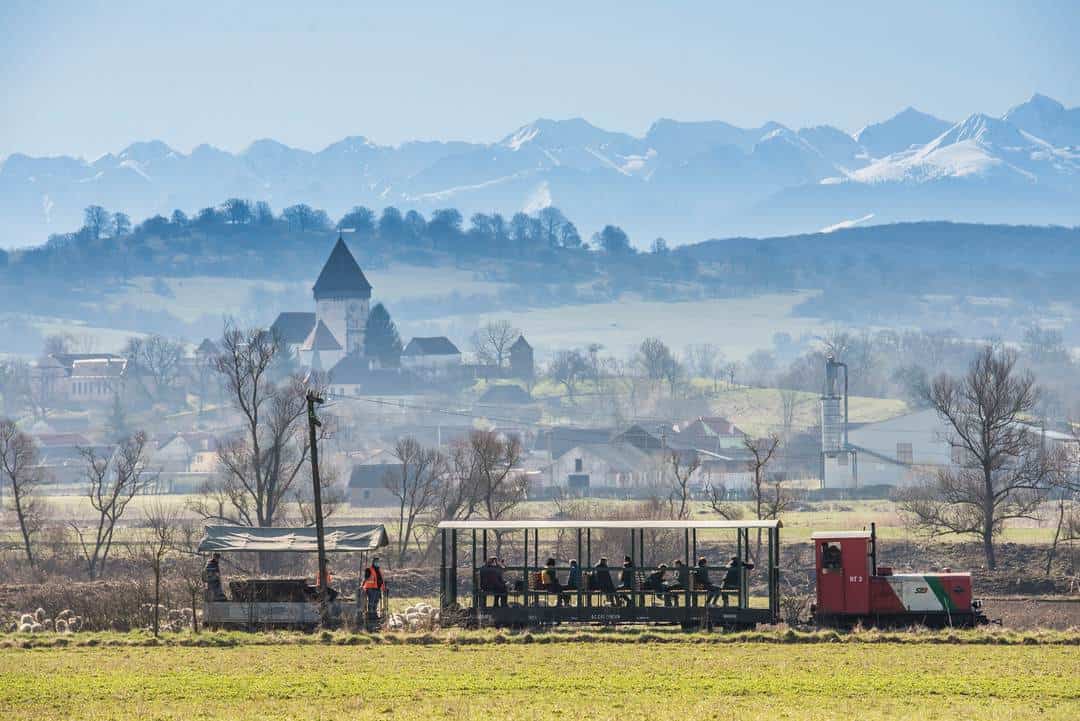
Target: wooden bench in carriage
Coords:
[(281, 602), (466, 544)]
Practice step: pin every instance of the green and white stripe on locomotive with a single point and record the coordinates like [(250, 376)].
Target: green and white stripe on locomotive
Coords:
[(922, 593)]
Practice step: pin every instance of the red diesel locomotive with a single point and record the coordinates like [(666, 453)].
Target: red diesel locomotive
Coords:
[(852, 588)]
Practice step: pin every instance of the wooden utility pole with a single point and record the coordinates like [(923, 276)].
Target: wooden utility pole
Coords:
[(313, 424)]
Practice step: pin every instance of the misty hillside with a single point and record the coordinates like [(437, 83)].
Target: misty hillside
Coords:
[(681, 180), (255, 263)]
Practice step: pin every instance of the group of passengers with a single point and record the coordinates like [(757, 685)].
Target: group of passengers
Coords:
[(492, 581)]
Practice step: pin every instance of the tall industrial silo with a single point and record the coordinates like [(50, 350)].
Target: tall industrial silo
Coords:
[(834, 416)]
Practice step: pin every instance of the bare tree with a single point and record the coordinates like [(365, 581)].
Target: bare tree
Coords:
[(189, 565), (162, 526), (492, 342), (672, 372), (96, 221), (260, 467), (159, 357), (761, 452), (567, 369), (791, 400), (654, 358), (730, 371), (717, 495), (681, 473), (1064, 483), (1002, 471), (14, 385), (22, 475), (706, 361), (500, 485), (331, 492), (415, 485), (113, 483)]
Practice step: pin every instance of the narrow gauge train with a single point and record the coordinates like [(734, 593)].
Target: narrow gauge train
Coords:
[(851, 588)]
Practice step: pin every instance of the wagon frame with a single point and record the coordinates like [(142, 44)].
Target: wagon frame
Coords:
[(533, 606)]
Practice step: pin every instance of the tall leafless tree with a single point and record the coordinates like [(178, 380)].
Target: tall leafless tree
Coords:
[(500, 484), (492, 342), (415, 484), (761, 452), (654, 358), (162, 526), (259, 468), (22, 475), (682, 470), (160, 358), (113, 483), (1002, 472), (567, 368)]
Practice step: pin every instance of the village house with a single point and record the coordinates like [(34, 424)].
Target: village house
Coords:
[(432, 358)]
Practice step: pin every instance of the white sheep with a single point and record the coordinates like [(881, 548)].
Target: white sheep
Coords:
[(35, 628), (61, 625), (26, 628), (39, 615), (26, 619)]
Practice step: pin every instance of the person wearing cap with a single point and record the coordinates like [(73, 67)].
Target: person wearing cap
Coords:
[(373, 586), (734, 575)]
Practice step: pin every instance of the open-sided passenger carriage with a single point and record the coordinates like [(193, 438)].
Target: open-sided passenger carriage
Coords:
[(531, 603), (283, 602)]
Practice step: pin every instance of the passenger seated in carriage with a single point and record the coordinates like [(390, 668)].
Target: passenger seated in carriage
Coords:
[(492, 582), (681, 582), (702, 583), (549, 578), (573, 580), (601, 580), (655, 582), (733, 576)]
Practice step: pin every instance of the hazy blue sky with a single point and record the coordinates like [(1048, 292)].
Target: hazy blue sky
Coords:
[(88, 77)]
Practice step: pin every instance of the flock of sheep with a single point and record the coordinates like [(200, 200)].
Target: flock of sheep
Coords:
[(170, 619), (65, 622), (421, 617)]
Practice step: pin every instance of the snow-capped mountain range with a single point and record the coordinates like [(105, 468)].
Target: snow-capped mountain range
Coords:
[(685, 181)]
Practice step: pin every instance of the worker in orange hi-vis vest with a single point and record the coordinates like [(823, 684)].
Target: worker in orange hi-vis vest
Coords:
[(373, 586)]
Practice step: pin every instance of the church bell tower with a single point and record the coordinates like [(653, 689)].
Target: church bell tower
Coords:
[(343, 298)]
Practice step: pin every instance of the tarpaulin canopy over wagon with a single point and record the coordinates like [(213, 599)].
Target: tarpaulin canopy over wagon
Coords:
[(342, 539)]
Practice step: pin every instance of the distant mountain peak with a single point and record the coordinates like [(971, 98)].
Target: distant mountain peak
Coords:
[(144, 150), (907, 128), (985, 130)]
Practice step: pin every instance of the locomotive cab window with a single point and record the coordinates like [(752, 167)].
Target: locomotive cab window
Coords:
[(830, 556)]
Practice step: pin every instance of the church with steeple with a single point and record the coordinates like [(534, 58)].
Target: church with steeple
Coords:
[(336, 329)]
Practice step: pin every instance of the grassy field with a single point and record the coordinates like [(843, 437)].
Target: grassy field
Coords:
[(679, 678)]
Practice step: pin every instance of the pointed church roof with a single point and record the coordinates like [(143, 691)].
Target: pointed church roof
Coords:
[(320, 338), (341, 276)]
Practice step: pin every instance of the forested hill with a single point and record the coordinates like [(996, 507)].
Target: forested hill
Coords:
[(548, 260), (1032, 263)]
